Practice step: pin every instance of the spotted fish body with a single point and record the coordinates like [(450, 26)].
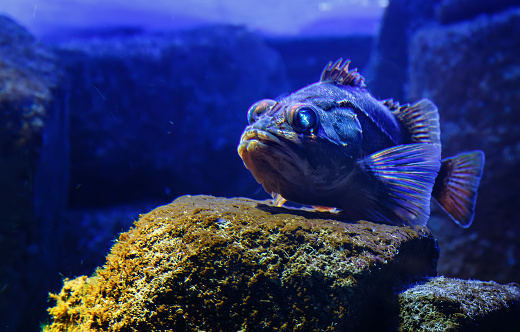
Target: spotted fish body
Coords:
[(331, 144)]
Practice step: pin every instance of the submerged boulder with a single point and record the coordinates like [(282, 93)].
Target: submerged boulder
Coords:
[(445, 304), (206, 263)]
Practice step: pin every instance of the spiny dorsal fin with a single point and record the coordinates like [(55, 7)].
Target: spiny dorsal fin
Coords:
[(421, 119), (338, 74), (391, 104)]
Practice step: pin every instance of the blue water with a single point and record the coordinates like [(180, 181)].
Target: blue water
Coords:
[(126, 107)]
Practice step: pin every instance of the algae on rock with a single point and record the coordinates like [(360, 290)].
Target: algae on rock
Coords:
[(206, 263), (447, 304)]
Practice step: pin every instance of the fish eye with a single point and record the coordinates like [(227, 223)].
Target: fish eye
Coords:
[(305, 119), (258, 108)]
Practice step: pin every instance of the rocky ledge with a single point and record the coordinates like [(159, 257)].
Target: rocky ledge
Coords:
[(448, 304), (206, 263)]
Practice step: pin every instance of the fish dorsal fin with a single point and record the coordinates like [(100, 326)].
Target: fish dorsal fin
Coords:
[(421, 119), (391, 104), (338, 73)]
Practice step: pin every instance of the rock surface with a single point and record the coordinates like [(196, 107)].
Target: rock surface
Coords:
[(463, 55), (450, 11), (444, 304), (475, 84), (388, 70), (205, 263), (155, 115), (305, 58), (33, 168)]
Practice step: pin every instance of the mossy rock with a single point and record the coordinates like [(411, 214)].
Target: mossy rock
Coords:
[(448, 304), (206, 263)]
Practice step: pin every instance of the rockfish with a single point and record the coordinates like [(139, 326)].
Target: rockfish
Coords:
[(332, 144)]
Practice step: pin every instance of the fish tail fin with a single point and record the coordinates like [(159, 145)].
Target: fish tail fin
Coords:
[(456, 186)]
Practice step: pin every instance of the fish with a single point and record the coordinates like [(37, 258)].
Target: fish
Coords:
[(333, 146)]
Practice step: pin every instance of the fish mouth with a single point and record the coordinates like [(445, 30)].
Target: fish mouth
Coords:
[(255, 139), (266, 156), (282, 165)]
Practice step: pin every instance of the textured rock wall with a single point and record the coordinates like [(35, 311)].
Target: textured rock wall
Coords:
[(471, 70), (154, 116), (33, 168), (158, 116), (387, 73), (463, 55)]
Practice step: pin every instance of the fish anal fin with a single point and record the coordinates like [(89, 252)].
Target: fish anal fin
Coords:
[(319, 208), (457, 184), (407, 174), (421, 119)]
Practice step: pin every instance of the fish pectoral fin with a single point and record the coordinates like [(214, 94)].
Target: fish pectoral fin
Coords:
[(405, 174), (421, 119), (278, 200), (456, 186)]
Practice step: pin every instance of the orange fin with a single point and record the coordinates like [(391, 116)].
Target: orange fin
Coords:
[(325, 209), (456, 186)]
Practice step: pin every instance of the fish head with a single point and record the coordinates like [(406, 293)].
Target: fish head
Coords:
[(303, 146)]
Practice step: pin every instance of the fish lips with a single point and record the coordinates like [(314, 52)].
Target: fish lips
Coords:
[(266, 156), (255, 142), (258, 135)]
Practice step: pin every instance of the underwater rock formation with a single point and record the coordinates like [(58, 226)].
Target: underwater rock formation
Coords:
[(444, 304), (313, 53), (206, 263), (154, 115), (33, 168), (450, 11), (151, 117), (388, 69), (475, 84), (463, 55)]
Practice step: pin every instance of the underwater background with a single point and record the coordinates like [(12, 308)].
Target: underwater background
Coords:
[(108, 110)]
